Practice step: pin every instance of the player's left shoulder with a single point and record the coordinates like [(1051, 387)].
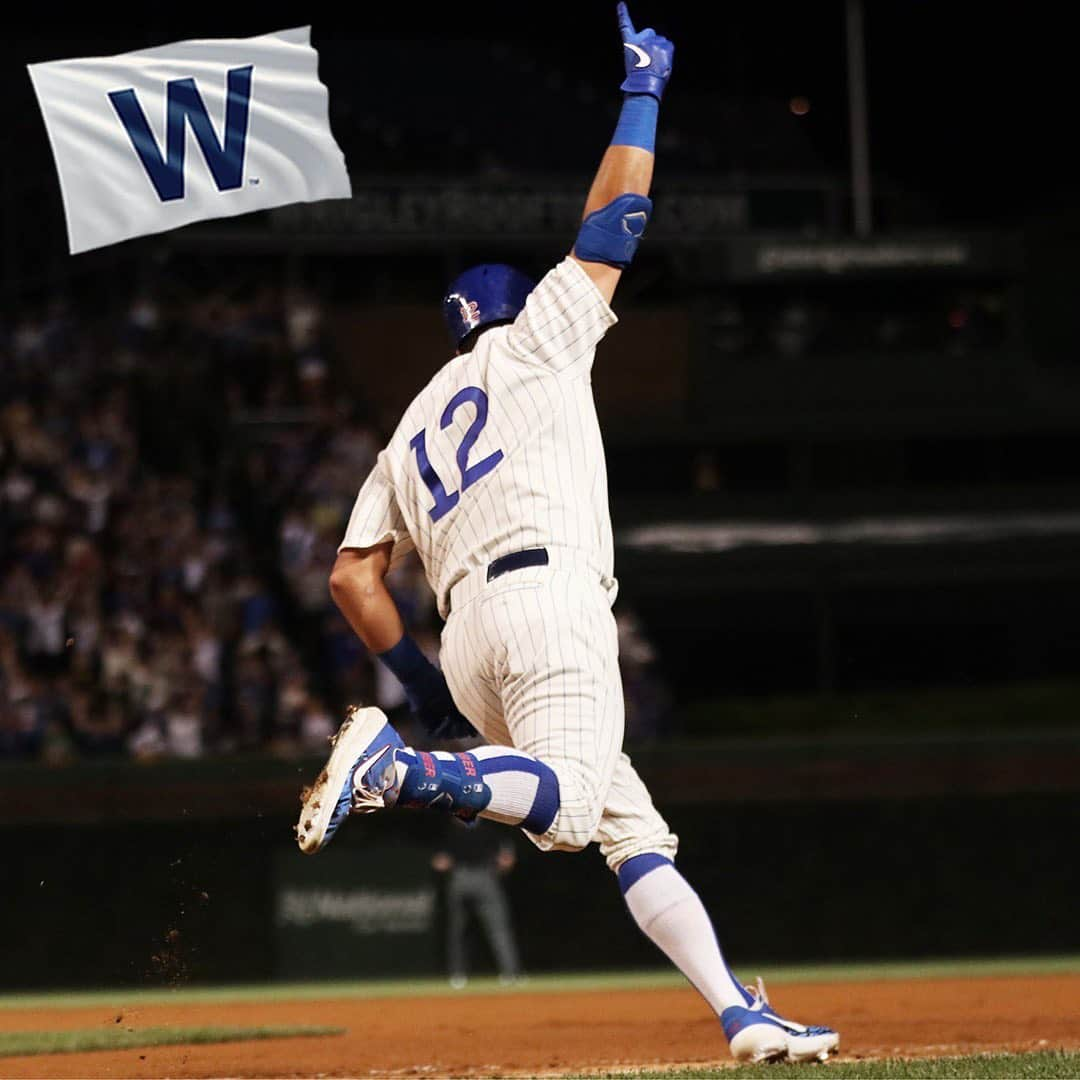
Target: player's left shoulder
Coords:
[(434, 405), (435, 387)]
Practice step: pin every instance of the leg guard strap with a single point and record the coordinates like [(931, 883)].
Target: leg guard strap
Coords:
[(445, 782)]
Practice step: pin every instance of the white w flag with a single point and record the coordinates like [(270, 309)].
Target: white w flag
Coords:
[(150, 140)]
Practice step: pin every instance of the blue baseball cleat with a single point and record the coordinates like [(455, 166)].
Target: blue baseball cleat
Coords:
[(361, 776), (757, 1033)]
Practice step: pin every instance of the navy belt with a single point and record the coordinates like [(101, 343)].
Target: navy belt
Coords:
[(516, 561)]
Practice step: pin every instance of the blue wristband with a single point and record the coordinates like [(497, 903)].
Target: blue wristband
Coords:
[(407, 662), (637, 122), (426, 691)]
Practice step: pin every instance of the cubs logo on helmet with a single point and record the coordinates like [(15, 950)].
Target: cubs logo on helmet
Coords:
[(490, 292)]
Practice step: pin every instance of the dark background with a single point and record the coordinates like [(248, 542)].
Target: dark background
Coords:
[(904, 448), (970, 106)]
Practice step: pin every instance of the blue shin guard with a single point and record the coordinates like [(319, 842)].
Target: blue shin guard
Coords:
[(443, 781)]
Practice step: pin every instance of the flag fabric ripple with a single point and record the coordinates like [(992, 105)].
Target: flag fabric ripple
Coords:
[(151, 140)]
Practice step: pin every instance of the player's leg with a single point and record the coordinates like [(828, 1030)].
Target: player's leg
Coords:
[(371, 768), (532, 664), (640, 848), (554, 661), (550, 650)]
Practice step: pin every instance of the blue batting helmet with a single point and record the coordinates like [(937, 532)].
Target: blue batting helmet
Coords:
[(484, 294)]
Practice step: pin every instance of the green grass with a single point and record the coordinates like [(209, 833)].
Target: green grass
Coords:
[(1046, 1065), (114, 1037), (600, 981)]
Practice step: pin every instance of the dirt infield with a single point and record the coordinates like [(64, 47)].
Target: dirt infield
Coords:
[(523, 1032)]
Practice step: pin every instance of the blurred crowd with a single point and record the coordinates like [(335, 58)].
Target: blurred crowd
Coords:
[(130, 621), (163, 590), (134, 617)]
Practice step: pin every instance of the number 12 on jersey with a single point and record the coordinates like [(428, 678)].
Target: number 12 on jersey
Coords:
[(445, 501)]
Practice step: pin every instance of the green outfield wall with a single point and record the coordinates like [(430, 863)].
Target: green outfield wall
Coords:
[(175, 875)]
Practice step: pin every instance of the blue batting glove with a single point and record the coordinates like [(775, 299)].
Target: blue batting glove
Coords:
[(648, 58), (435, 709)]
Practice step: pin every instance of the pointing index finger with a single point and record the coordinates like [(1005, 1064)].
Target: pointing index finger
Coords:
[(626, 27)]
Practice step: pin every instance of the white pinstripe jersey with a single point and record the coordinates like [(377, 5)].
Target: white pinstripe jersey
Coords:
[(501, 451)]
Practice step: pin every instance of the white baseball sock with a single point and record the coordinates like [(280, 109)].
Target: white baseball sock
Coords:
[(524, 791), (670, 913)]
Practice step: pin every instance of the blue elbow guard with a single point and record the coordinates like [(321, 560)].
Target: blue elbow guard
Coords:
[(611, 234)]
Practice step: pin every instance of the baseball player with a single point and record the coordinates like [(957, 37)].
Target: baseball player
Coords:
[(496, 476)]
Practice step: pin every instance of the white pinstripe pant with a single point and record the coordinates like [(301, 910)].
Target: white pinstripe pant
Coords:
[(532, 661)]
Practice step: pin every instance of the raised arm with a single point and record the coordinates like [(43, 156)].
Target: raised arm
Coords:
[(618, 206)]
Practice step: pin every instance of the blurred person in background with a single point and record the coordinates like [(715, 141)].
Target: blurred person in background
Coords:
[(185, 718), (316, 725), (23, 717), (475, 858), (729, 332), (99, 722), (795, 328), (255, 699), (646, 695), (47, 628)]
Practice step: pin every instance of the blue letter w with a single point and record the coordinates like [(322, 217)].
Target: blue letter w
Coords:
[(226, 163)]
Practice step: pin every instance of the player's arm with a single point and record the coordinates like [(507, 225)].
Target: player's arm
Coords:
[(376, 531), (358, 587), (617, 208)]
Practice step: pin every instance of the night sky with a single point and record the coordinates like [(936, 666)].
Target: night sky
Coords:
[(971, 105)]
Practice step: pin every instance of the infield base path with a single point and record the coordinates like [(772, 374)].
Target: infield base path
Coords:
[(521, 1032)]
